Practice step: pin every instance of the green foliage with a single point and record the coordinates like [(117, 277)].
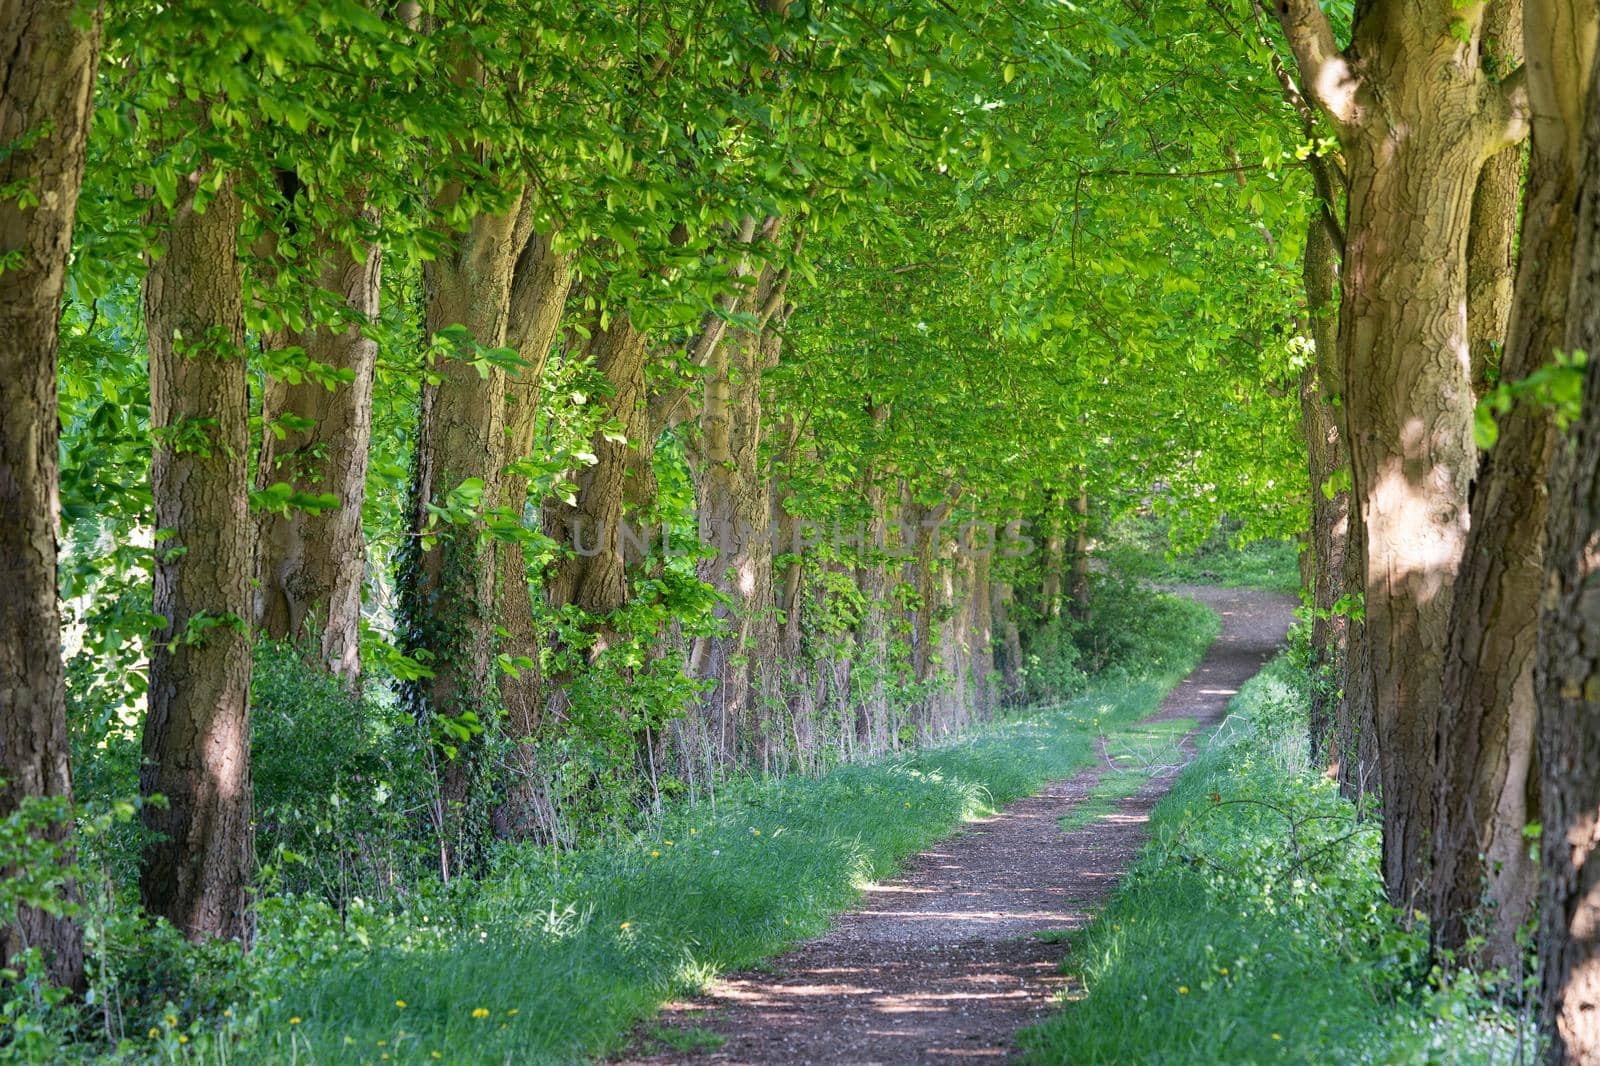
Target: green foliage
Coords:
[(1255, 929), (1143, 547)]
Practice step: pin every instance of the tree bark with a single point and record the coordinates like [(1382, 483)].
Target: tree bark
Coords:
[(310, 566), (1080, 552), (539, 287), (46, 85), (1417, 120), (1484, 877), (1491, 234), (981, 633), (1011, 644), (1568, 726), (1330, 511), (447, 584), (734, 516), (196, 745)]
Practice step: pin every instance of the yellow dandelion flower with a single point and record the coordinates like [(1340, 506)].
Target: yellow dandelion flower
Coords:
[(655, 854), (383, 1043), (1183, 990), (624, 925), (295, 1020), (1223, 971), (171, 1020), (513, 1012), (668, 843), (227, 1014), (435, 1054), (400, 1003), (154, 1032), (1275, 1036), (692, 830), (182, 1039), (908, 803), (480, 1012)]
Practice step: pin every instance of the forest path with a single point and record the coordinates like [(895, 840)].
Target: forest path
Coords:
[(942, 964)]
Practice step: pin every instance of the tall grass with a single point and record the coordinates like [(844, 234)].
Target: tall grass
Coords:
[(1254, 927)]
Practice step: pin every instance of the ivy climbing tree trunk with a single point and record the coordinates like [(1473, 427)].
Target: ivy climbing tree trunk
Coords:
[(46, 86), (310, 563), (196, 871), (1568, 726), (1417, 119), (1484, 878), (448, 574)]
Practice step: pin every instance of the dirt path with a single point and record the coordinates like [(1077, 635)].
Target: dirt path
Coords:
[(940, 965)]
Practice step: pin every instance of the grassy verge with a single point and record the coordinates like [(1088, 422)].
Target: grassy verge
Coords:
[(555, 957), (1254, 930)]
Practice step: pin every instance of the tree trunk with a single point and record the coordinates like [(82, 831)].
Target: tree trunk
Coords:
[(1568, 690), (1491, 235), (1011, 644), (734, 515), (1080, 553), (981, 633), (1355, 721), (539, 287), (872, 640), (1487, 790), (447, 581), (310, 566), (1417, 119), (1330, 510), (593, 574), (196, 873), (47, 77)]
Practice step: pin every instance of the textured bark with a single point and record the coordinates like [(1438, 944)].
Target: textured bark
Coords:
[(981, 634), (1011, 689), (1417, 120), (1484, 878), (447, 588), (873, 729), (1569, 671), (46, 79), (196, 745), (539, 287), (1491, 235), (1330, 512), (1080, 553), (1355, 719), (310, 567), (734, 516)]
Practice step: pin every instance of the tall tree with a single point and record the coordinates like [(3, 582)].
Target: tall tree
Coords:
[(311, 560), (1417, 118), (196, 871), (1569, 664), (448, 576), (50, 48), (1487, 787)]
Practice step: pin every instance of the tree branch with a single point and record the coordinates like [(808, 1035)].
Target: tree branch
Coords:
[(1324, 71), (1506, 113)]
